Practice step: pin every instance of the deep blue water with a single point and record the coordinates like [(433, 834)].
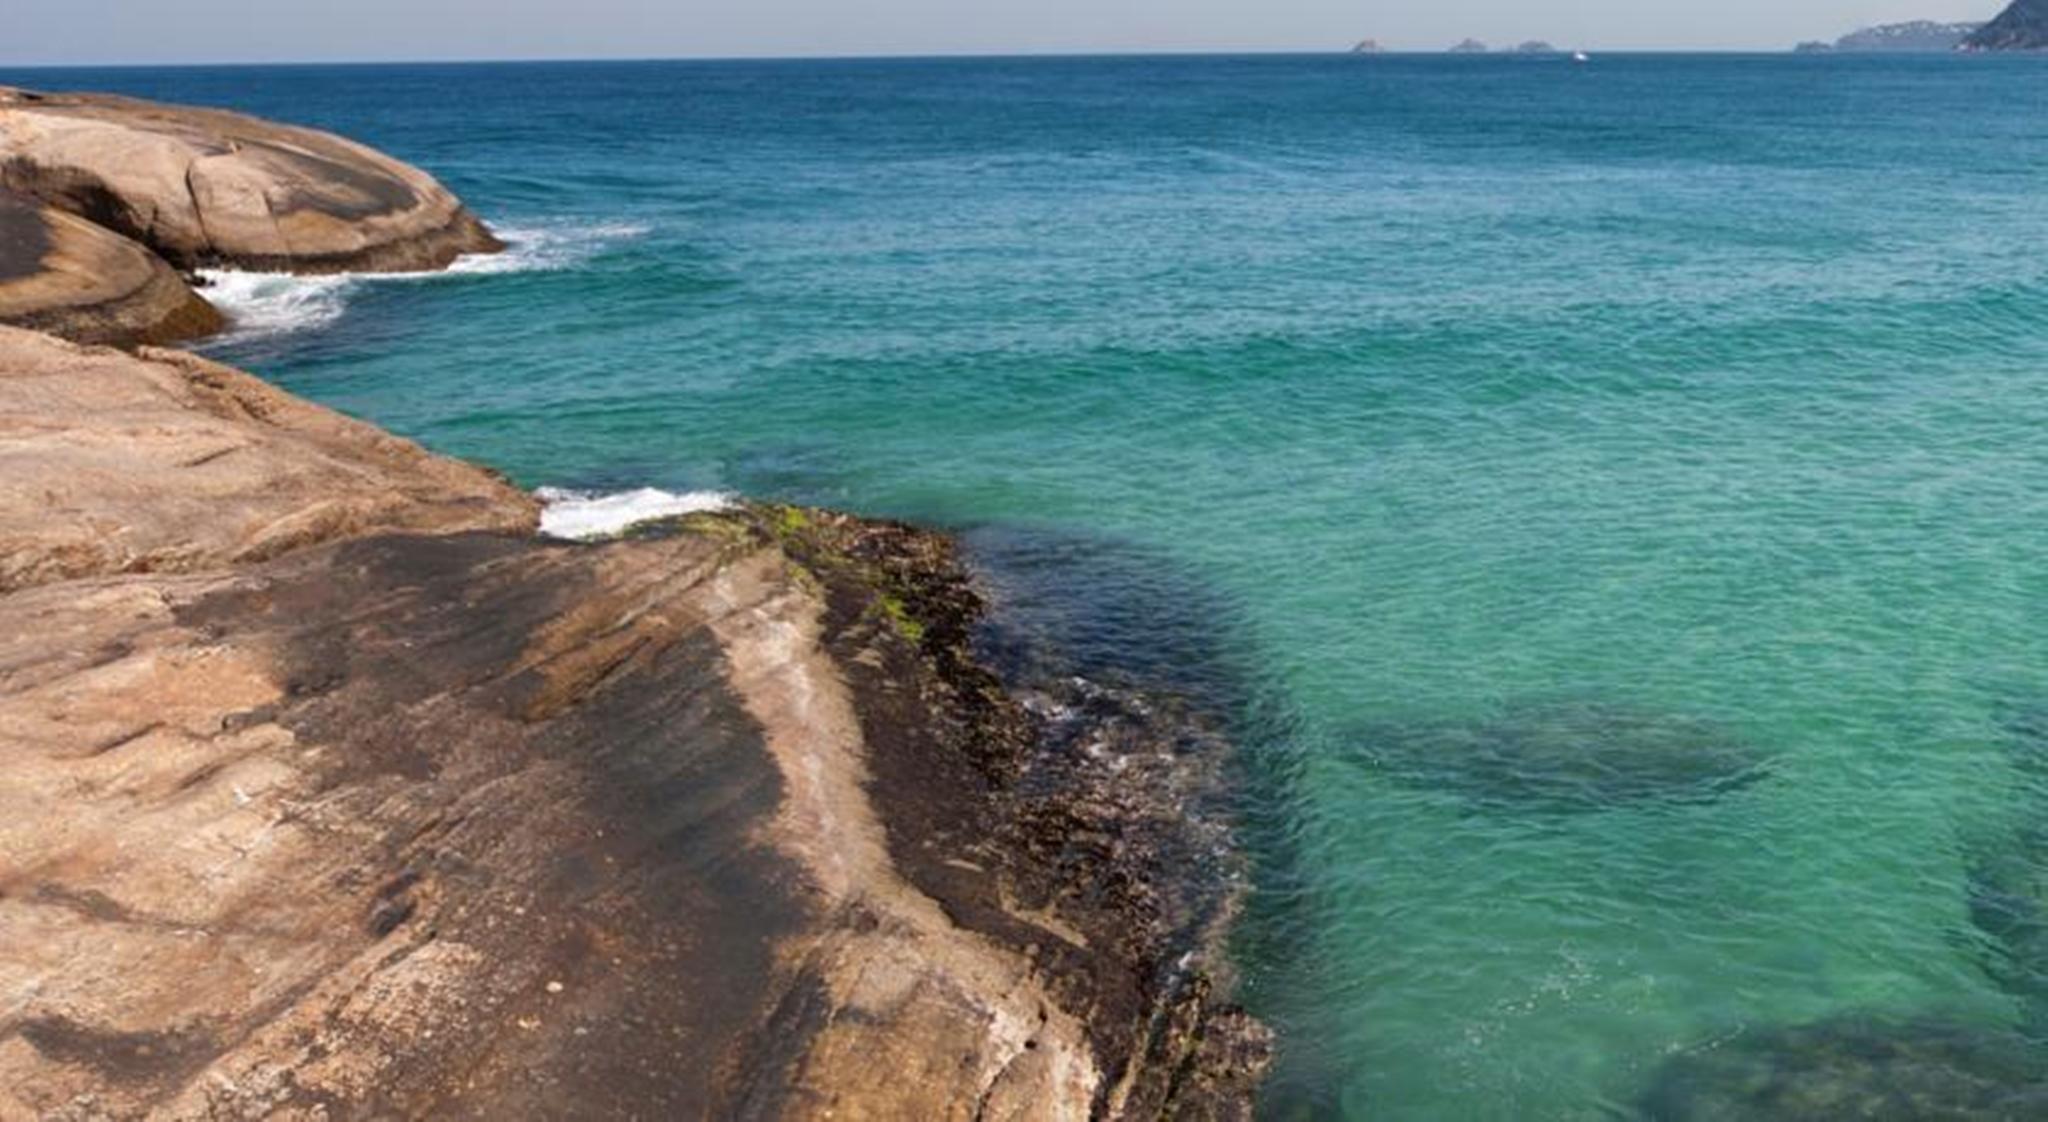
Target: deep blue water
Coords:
[(1614, 497)]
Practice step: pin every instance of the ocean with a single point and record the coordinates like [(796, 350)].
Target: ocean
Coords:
[(1608, 502)]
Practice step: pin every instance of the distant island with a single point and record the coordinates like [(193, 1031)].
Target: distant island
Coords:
[(1468, 47), (1918, 35), (2021, 27)]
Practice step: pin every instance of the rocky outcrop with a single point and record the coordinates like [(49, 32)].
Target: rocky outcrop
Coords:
[(207, 187), (64, 275), (349, 798), (2021, 27), (169, 463)]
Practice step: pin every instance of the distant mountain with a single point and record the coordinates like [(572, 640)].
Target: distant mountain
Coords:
[(1919, 35), (2022, 27), (1367, 47), (1536, 47), (1469, 47)]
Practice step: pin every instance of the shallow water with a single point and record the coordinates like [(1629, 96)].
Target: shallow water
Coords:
[(1705, 390)]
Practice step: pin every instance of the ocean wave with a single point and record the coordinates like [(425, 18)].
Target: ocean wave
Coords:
[(584, 515), (266, 305)]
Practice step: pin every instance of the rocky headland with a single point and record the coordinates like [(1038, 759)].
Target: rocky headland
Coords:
[(1913, 36), (109, 205), (207, 187), (339, 792), (2023, 26)]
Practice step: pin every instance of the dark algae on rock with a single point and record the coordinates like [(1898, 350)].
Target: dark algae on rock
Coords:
[(1073, 803)]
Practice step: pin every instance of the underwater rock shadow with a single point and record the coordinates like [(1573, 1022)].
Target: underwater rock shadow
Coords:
[(1855, 1067), (1070, 604), (2008, 882), (1566, 757)]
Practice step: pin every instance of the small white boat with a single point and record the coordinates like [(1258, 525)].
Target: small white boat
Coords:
[(1580, 57)]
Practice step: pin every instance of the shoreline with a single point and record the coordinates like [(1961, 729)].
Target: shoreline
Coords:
[(341, 787)]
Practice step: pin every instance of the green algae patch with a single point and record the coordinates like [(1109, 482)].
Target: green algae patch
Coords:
[(868, 556), (899, 616)]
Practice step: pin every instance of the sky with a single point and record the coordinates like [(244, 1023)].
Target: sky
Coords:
[(84, 32)]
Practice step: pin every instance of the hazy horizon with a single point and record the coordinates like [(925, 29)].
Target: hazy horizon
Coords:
[(123, 32)]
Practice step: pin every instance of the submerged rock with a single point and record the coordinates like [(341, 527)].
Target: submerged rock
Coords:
[(2009, 878), (1568, 757), (1856, 1068), (402, 817), (64, 275), (1073, 604), (207, 187)]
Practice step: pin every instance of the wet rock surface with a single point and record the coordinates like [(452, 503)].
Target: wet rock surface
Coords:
[(208, 187), (66, 276), (1092, 804), (1568, 757), (1856, 1068), (415, 815)]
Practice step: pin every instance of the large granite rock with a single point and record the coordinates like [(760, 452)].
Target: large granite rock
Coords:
[(404, 815), (207, 187), (2021, 27), (167, 462), (64, 275)]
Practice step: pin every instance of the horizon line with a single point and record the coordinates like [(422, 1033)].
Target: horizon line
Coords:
[(953, 56)]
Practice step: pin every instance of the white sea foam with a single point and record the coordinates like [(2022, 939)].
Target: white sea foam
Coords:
[(583, 515), (263, 305)]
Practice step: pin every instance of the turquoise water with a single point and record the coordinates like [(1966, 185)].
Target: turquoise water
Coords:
[(1498, 414)]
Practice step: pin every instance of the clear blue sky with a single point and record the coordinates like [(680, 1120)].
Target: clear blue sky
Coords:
[(97, 31)]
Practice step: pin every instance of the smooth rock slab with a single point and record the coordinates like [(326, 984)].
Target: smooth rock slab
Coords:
[(162, 461), (1568, 757), (64, 275), (208, 187)]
